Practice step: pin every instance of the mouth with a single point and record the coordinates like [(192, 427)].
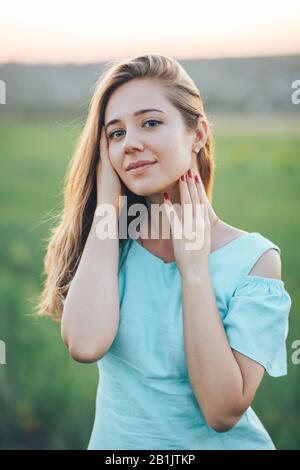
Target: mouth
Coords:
[(141, 169)]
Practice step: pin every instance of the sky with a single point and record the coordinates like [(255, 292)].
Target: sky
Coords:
[(70, 31)]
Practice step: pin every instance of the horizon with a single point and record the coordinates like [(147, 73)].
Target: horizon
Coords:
[(193, 59)]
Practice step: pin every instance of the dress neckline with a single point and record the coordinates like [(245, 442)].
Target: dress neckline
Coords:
[(212, 254)]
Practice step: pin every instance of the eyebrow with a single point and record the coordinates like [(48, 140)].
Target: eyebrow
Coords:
[(141, 111)]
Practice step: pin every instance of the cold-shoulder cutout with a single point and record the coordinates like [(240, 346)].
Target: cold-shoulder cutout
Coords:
[(268, 264)]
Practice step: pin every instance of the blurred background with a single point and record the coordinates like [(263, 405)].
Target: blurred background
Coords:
[(245, 59)]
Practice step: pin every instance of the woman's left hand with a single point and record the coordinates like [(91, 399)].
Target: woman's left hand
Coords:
[(191, 254)]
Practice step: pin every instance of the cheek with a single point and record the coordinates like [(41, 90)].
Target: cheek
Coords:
[(115, 161), (175, 161), (174, 148)]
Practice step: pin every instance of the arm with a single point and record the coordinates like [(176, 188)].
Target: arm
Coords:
[(224, 381), (91, 310)]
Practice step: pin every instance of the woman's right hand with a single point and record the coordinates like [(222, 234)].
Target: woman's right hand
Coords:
[(109, 186)]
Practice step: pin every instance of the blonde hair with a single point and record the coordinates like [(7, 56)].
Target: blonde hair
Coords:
[(67, 239)]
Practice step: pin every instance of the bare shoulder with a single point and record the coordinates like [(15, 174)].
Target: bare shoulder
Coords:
[(268, 265)]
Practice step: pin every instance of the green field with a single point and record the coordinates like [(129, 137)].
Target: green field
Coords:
[(47, 399)]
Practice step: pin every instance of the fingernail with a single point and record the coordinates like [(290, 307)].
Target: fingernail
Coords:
[(190, 173), (197, 179), (166, 195), (182, 177)]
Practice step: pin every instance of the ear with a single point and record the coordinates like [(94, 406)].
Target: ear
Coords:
[(201, 134)]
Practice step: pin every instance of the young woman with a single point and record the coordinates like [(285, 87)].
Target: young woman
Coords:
[(182, 337)]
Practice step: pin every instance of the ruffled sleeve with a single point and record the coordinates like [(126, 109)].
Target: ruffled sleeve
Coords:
[(256, 322)]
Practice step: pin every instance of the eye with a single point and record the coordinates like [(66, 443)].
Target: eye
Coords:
[(111, 135)]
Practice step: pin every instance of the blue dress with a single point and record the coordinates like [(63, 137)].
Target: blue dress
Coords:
[(144, 396)]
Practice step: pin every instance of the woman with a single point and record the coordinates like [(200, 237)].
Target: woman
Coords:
[(182, 336)]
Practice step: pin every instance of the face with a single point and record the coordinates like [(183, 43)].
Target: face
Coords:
[(156, 136)]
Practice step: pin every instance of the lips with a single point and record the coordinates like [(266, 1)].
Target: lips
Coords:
[(140, 164), (141, 168)]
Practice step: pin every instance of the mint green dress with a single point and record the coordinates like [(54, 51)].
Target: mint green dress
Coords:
[(144, 396)]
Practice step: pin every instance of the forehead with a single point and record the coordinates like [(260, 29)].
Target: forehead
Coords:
[(134, 95)]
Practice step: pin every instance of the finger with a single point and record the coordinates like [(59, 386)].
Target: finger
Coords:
[(200, 188), (185, 197), (204, 201), (103, 145), (203, 196), (173, 217), (194, 194)]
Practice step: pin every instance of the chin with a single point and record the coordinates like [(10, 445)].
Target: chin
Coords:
[(148, 190), (140, 192)]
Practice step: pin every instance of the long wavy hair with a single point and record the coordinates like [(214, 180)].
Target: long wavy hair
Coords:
[(67, 239)]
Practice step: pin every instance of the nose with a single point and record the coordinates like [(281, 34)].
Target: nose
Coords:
[(131, 142)]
